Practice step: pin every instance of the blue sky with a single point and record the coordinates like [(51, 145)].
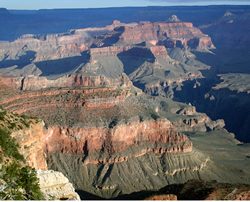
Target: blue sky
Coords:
[(39, 4)]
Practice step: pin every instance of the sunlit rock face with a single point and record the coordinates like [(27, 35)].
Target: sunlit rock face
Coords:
[(55, 186), (173, 34)]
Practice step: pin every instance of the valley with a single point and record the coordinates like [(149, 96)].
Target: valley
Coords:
[(131, 108)]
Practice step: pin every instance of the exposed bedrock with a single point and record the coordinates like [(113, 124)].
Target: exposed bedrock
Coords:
[(174, 34), (108, 143), (55, 186), (29, 134), (74, 80), (228, 102), (63, 53), (116, 153), (49, 47), (32, 144)]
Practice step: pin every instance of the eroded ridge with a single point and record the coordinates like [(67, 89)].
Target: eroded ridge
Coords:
[(88, 92)]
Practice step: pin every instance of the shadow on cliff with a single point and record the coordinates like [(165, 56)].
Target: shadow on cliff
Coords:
[(134, 58), (114, 38), (226, 60), (142, 195), (88, 196), (60, 66), (21, 62)]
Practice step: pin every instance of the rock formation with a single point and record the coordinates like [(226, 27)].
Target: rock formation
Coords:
[(173, 18), (55, 186), (174, 34), (160, 137), (96, 133), (29, 137), (102, 132)]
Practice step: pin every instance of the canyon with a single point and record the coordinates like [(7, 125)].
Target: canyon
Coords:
[(120, 109), (96, 147)]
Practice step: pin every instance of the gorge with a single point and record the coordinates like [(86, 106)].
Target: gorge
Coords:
[(120, 109)]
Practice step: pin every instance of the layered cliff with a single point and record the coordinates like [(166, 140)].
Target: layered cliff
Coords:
[(97, 148), (22, 150), (172, 34), (101, 131), (58, 54), (110, 145), (73, 80), (48, 47)]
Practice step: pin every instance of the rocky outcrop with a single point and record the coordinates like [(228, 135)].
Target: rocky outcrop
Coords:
[(32, 145), (200, 122), (29, 134), (234, 82), (160, 136), (160, 51), (55, 186), (74, 80), (174, 34), (49, 47), (173, 18)]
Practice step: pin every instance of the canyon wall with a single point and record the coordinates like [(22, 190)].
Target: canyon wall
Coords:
[(74, 80), (180, 34), (160, 136)]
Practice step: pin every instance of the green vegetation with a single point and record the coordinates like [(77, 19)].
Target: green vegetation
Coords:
[(17, 181), (2, 113), (9, 146)]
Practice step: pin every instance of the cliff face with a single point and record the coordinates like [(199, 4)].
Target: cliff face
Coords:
[(160, 136), (32, 145), (177, 34), (55, 186), (74, 80), (29, 135), (50, 47), (31, 50), (103, 150), (22, 149)]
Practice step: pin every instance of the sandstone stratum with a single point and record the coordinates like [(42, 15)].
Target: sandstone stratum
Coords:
[(95, 119)]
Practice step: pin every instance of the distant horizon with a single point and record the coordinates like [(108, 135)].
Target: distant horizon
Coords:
[(110, 7), (95, 4)]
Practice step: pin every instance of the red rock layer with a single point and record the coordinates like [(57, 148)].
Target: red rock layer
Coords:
[(160, 134), (74, 80), (175, 34), (97, 98)]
